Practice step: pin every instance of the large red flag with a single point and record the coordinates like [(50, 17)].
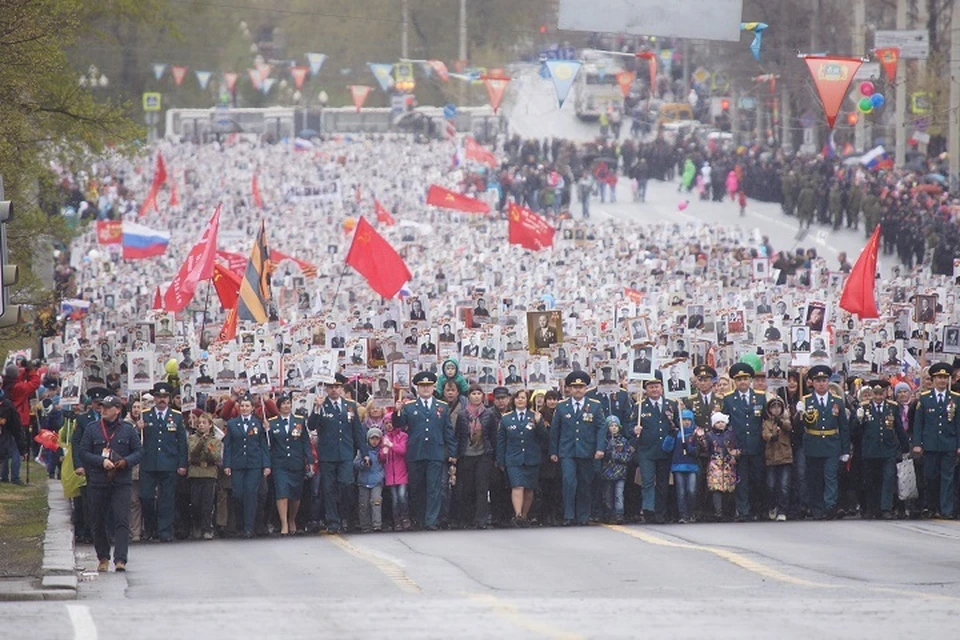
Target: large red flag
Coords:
[(832, 77), (529, 230), (446, 199), (255, 188), (227, 284), (229, 329), (382, 214), (157, 300), (235, 261), (377, 261), (475, 151), (159, 178), (858, 292), (198, 266), (109, 231)]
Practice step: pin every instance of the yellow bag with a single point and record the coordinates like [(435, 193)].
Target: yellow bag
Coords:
[(68, 478)]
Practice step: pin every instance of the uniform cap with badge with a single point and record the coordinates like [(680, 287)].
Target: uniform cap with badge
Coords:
[(741, 370), (656, 379), (424, 377), (97, 394), (705, 371), (819, 372), (577, 379), (162, 389), (941, 369)]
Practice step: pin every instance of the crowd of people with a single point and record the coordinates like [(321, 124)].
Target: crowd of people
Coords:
[(708, 376)]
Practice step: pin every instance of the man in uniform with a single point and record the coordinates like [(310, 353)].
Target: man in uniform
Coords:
[(164, 457), (883, 438), (430, 444), (936, 437), (291, 460), (577, 438), (704, 403), (336, 422), (745, 408), (806, 203), (826, 441), (655, 419)]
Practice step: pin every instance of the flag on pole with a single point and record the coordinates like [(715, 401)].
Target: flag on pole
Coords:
[(159, 178), (446, 199), (198, 266), (308, 270), (140, 242), (858, 291), (157, 299), (255, 287), (377, 261), (478, 153), (255, 188), (227, 284), (528, 230), (229, 330), (235, 262), (383, 215)]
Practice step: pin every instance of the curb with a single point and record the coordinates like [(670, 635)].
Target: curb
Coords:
[(59, 569)]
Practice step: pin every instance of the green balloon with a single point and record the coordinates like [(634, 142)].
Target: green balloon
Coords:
[(865, 105), (753, 360)]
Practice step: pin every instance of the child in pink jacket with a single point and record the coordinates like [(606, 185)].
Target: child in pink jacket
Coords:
[(393, 453)]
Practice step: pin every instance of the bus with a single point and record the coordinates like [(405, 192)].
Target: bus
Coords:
[(596, 89)]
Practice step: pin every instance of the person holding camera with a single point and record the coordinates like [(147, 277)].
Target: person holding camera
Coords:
[(109, 450)]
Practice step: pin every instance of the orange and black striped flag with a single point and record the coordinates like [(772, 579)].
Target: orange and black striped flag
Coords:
[(255, 287)]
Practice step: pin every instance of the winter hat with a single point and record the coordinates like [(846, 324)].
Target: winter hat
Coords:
[(686, 414), (718, 417), (374, 432), (901, 386), (613, 420), (11, 371)]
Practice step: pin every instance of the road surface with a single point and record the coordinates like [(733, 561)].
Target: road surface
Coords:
[(784, 580)]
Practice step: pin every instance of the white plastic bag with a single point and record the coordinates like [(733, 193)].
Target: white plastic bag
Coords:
[(907, 481)]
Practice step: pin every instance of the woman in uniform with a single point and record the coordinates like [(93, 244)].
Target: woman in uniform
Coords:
[(518, 453), (291, 459), (246, 457)]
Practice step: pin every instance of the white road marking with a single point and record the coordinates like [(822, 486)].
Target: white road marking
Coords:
[(83, 626)]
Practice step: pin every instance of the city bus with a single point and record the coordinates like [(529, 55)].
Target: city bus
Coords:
[(596, 88)]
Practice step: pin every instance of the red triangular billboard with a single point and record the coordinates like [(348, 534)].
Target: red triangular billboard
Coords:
[(832, 76)]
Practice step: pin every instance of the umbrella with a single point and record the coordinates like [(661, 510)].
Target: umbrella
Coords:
[(935, 177), (307, 134)]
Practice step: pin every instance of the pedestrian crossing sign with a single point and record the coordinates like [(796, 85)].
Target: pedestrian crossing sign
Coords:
[(151, 101)]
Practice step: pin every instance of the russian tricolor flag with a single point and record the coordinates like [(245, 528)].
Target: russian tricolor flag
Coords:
[(877, 158), (141, 242)]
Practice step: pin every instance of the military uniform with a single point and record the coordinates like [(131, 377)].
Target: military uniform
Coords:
[(518, 448), (657, 421), (290, 455), (806, 204), (746, 420), (164, 453), (883, 437), (575, 437), (246, 453), (339, 437), (430, 442), (935, 430), (617, 403), (826, 437)]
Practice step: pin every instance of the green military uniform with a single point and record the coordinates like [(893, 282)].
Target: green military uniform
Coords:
[(789, 188), (853, 207), (936, 430), (164, 453), (806, 204), (826, 437), (835, 206), (883, 437)]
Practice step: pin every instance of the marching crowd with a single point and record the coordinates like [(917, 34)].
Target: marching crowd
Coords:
[(630, 373)]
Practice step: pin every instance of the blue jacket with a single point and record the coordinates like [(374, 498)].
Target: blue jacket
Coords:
[(429, 431), (164, 443), (684, 458), (657, 425), (746, 420), (124, 443), (245, 444), (616, 456), (339, 435), (936, 427), (615, 404), (290, 451), (573, 436), (518, 443), (372, 475)]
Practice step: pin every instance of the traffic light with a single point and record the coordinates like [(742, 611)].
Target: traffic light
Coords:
[(724, 105), (9, 313), (852, 118)]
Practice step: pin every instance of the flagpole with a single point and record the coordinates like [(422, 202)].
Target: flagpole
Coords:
[(203, 323), (336, 294)]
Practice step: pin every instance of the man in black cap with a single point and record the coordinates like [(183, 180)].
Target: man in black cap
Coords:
[(577, 438), (883, 438), (745, 408), (336, 421), (704, 402), (654, 419), (109, 450), (431, 443), (826, 441), (164, 458), (936, 437)]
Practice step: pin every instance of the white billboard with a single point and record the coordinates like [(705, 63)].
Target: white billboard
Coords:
[(697, 19)]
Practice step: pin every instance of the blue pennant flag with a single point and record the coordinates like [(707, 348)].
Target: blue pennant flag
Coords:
[(316, 60), (758, 28), (383, 73), (563, 73)]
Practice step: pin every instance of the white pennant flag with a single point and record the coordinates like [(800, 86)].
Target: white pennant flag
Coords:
[(203, 77), (158, 69), (267, 84), (316, 60)]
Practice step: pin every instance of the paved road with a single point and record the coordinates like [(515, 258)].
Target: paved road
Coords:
[(785, 580)]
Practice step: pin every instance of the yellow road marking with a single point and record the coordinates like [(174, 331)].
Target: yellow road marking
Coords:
[(388, 568), (761, 569), (511, 613)]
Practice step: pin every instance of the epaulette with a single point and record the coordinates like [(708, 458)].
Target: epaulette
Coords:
[(594, 400), (954, 393), (894, 402), (836, 395), (591, 389), (806, 396), (172, 410), (729, 393), (441, 401), (925, 393)]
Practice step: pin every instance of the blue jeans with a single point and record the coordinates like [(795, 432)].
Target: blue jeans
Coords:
[(10, 468), (686, 485), (800, 475), (613, 496), (779, 477), (401, 507)]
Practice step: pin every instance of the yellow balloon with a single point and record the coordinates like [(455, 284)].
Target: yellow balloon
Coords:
[(172, 368), (349, 224)]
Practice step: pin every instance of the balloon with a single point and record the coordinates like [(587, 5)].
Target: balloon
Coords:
[(683, 205), (349, 224), (753, 360), (866, 88), (877, 100), (865, 105), (172, 368)]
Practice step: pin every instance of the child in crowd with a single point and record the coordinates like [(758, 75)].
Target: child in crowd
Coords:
[(393, 456), (684, 466), (370, 475), (776, 431), (613, 472), (205, 455), (721, 446)]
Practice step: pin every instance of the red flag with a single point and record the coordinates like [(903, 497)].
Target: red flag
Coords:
[(528, 230), (227, 284), (255, 188), (231, 80), (109, 231), (178, 73), (440, 69), (496, 85), (651, 59), (858, 292), (309, 270), (235, 262), (476, 151), (633, 295), (625, 80), (299, 75), (359, 93), (889, 57), (382, 214), (832, 76), (198, 266), (157, 300), (174, 196), (229, 329), (377, 261), (159, 178), (446, 199)]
